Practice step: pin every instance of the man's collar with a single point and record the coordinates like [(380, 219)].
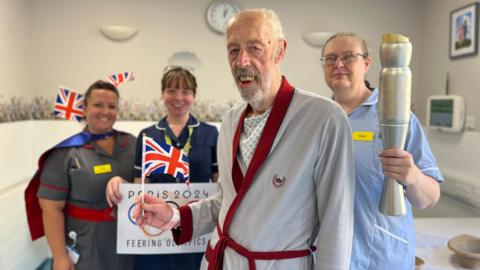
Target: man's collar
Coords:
[(284, 86), (284, 90)]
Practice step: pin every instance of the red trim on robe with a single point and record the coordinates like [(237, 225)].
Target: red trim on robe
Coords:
[(242, 184), (184, 233), (274, 121)]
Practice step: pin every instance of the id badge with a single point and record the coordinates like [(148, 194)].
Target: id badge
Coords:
[(362, 136), (104, 168), (73, 254)]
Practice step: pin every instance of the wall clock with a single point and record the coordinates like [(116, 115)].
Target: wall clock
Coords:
[(218, 14)]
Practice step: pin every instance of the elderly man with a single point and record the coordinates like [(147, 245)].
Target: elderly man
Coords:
[(285, 163)]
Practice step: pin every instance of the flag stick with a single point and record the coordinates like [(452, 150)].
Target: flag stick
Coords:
[(144, 149)]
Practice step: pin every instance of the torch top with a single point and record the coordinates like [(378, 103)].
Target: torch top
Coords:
[(394, 38)]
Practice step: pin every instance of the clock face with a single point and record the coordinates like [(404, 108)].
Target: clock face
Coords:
[(218, 14)]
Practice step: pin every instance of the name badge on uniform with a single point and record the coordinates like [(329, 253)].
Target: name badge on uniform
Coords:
[(362, 135), (104, 168)]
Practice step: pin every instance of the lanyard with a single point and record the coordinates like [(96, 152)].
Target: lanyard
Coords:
[(187, 146)]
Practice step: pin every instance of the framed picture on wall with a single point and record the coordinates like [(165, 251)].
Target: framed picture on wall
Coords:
[(464, 31)]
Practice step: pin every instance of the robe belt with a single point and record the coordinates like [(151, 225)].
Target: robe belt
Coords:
[(215, 256), (89, 214)]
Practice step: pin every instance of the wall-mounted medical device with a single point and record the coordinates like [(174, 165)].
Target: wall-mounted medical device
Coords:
[(446, 113)]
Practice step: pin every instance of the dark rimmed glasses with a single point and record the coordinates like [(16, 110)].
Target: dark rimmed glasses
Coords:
[(346, 58)]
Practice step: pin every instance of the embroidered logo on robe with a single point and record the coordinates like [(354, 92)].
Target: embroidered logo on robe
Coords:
[(277, 181)]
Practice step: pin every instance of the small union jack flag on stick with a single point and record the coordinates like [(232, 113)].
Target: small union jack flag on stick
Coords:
[(68, 104), (119, 78), (162, 158)]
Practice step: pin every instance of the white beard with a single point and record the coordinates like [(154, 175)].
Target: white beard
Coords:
[(254, 97), (257, 96)]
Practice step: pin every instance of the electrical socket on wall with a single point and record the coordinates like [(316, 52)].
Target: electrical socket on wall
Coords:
[(470, 122)]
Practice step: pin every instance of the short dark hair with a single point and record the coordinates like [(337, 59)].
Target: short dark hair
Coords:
[(173, 76), (100, 85)]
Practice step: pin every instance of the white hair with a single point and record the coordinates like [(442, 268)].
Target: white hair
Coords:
[(271, 17)]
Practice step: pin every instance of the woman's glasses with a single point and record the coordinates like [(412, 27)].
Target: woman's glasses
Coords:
[(346, 58)]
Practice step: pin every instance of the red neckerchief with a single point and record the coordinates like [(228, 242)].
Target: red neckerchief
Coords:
[(243, 183)]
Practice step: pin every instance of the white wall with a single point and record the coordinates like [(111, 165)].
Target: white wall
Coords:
[(17, 251), (14, 48), (70, 50), (457, 155), (435, 62), (17, 161)]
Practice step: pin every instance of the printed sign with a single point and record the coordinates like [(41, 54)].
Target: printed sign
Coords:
[(130, 237)]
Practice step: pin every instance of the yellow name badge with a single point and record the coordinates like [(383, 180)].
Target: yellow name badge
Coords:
[(105, 168), (362, 136)]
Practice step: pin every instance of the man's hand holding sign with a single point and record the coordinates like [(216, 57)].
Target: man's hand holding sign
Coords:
[(146, 212)]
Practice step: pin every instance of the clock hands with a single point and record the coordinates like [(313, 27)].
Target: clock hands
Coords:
[(219, 12)]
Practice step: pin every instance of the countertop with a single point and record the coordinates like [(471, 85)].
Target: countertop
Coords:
[(433, 235)]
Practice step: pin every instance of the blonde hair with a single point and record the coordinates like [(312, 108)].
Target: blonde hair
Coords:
[(354, 35)]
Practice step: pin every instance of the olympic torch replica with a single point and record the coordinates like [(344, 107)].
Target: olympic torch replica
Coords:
[(394, 111)]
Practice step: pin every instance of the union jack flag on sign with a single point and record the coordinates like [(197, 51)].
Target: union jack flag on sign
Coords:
[(68, 104), (162, 158), (119, 78)]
